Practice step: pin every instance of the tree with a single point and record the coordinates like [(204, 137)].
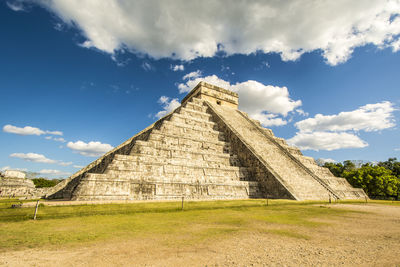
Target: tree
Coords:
[(393, 165), (376, 181), (335, 168)]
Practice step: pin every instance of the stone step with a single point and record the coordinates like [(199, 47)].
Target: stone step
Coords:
[(197, 101), (280, 141), (352, 193), (158, 145), (192, 131), (139, 148), (195, 114), (197, 107), (143, 160), (320, 171), (185, 119), (176, 139), (337, 183), (293, 150), (187, 170), (167, 178), (308, 161), (211, 160), (186, 145)]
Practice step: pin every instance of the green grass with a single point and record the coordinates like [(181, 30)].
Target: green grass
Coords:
[(200, 221)]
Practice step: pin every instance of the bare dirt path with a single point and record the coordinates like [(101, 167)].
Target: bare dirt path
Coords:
[(368, 238)]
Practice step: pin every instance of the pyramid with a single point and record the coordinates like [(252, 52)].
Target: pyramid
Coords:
[(204, 149)]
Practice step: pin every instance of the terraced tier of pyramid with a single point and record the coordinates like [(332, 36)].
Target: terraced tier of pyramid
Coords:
[(205, 149)]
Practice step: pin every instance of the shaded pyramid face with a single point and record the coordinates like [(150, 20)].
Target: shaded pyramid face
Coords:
[(205, 149)]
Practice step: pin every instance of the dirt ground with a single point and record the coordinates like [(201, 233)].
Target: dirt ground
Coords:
[(371, 238)]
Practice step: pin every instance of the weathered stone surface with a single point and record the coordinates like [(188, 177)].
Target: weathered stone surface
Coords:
[(205, 149), (18, 187), (14, 174)]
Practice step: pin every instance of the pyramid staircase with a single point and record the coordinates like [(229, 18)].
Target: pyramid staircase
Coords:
[(205, 149), (183, 154)]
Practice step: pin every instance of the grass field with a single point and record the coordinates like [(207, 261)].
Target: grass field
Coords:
[(204, 233), (69, 225)]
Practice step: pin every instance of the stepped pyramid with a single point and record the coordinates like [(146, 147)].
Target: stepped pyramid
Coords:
[(204, 149)]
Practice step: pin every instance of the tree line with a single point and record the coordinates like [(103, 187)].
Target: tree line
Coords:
[(379, 181), (43, 182)]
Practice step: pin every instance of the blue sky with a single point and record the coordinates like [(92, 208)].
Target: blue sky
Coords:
[(78, 78)]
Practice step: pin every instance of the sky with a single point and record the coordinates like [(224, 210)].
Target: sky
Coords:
[(78, 78)]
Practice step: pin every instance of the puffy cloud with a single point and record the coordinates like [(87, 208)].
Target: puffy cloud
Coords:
[(268, 119), (34, 157), (64, 163), (322, 161), (326, 141), (371, 117), (91, 149), (168, 105), (27, 130), (261, 102), (329, 132), (190, 29), (178, 68)]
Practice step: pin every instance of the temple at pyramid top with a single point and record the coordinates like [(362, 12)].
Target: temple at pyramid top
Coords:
[(213, 94)]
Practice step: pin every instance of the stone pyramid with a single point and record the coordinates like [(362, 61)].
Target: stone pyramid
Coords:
[(204, 149)]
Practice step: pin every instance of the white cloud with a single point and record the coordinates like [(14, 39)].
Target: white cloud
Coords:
[(190, 29), (5, 168), (34, 157), (54, 132), (302, 112), (371, 117), (53, 172), (261, 102), (326, 141), (78, 166), (168, 105), (268, 119), (58, 139), (15, 5), (91, 149), (64, 163), (147, 66), (178, 67), (192, 75), (27, 130), (397, 149), (322, 161), (329, 132)]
